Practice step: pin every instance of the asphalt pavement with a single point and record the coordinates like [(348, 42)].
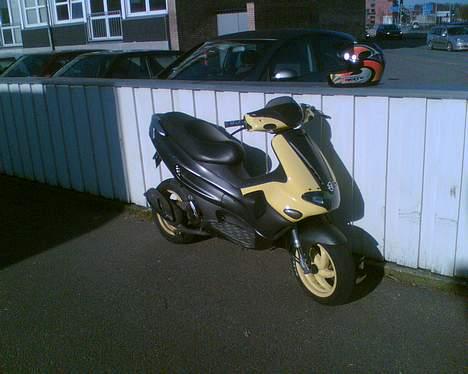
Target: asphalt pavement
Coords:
[(88, 286), (410, 64)]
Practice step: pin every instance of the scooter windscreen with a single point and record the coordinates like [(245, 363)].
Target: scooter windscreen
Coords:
[(315, 161)]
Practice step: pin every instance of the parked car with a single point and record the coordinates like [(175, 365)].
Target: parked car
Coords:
[(279, 55), (449, 37), (5, 62), (389, 32), (40, 64), (119, 64)]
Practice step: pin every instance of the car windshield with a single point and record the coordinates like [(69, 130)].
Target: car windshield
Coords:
[(391, 27), (91, 66), (28, 66), (223, 60), (457, 30)]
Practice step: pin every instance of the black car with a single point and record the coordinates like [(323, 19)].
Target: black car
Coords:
[(389, 32), (300, 54), (40, 64), (119, 64), (5, 62)]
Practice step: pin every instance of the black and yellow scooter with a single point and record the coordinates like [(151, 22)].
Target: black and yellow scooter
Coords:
[(212, 194)]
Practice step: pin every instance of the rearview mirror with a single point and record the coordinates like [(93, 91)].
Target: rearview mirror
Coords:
[(284, 74)]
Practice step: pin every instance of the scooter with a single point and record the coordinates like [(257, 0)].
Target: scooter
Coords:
[(212, 194)]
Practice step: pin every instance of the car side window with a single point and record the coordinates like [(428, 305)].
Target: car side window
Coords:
[(297, 56), (330, 48), (130, 67), (158, 63)]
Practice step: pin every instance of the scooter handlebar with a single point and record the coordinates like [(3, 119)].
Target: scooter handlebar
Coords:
[(235, 123)]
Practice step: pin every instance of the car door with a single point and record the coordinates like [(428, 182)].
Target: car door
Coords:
[(441, 38), (295, 60)]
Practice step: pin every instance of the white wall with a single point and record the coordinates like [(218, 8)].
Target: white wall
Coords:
[(402, 161)]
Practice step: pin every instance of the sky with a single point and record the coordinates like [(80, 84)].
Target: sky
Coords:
[(414, 2)]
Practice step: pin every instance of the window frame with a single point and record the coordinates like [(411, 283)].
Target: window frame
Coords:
[(147, 12), (69, 4), (24, 10)]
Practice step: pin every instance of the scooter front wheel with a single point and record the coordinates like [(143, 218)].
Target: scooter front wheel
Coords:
[(332, 273)]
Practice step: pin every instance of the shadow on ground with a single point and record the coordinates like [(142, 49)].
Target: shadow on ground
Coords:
[(35, 217)]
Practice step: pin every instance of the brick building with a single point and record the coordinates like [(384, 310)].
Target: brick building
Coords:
[(177, 24), (205, 20), (378, 12)]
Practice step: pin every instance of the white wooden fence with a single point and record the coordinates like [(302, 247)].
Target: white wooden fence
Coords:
[(403, 160)]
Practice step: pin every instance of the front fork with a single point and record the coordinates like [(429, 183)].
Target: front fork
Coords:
[(303, 259)]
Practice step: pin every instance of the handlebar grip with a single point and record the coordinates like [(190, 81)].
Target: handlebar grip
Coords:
[(235, 123)]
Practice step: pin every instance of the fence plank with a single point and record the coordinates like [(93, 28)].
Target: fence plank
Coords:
[(32, 134), (336, 139), (11, 130), (45, 138), (370, 159), (5, 143), (228, 108), (21, 130), (85, 142), (58, 137), (131, 145), (72, 146), (144, 111), (205, 105), (461, 256), (114, 139), (99, 139), (162, 102), (314, 100), (256, 142), (442, 175), (405, 177), (183, 101)]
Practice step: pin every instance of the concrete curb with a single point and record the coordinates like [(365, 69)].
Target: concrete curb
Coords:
[(421, 278)]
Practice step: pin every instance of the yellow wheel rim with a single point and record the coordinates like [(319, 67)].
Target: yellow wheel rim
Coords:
[(323, 283), (166, 226)]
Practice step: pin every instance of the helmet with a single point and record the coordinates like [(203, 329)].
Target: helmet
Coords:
[(365, 66)]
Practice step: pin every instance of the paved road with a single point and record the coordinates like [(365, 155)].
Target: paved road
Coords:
[(87, 287), (409, 63)]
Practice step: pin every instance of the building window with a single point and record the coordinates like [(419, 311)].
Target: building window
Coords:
[(68, 11), (142, 7), (4, 13), (35, 12)]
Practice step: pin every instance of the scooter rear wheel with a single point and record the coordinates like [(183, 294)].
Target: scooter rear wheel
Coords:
[(333, 274), (167, 229)]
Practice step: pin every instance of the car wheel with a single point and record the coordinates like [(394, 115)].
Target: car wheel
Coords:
[(449, 47)]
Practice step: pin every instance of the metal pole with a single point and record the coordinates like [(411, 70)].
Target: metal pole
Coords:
[(49, 27)]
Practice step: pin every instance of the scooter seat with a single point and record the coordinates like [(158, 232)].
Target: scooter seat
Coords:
[(202, 140)]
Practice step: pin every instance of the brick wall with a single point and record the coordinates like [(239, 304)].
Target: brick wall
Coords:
[(196, 20)]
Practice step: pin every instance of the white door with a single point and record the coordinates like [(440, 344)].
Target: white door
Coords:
[(229, 23)]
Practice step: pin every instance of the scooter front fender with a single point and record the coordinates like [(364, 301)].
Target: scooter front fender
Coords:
[(318, 230)]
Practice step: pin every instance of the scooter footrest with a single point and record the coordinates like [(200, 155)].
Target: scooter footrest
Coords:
[(240, 235)]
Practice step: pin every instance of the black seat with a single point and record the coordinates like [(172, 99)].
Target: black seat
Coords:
[(202, 140)]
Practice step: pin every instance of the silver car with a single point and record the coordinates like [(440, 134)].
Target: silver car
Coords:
[(450, 38)]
